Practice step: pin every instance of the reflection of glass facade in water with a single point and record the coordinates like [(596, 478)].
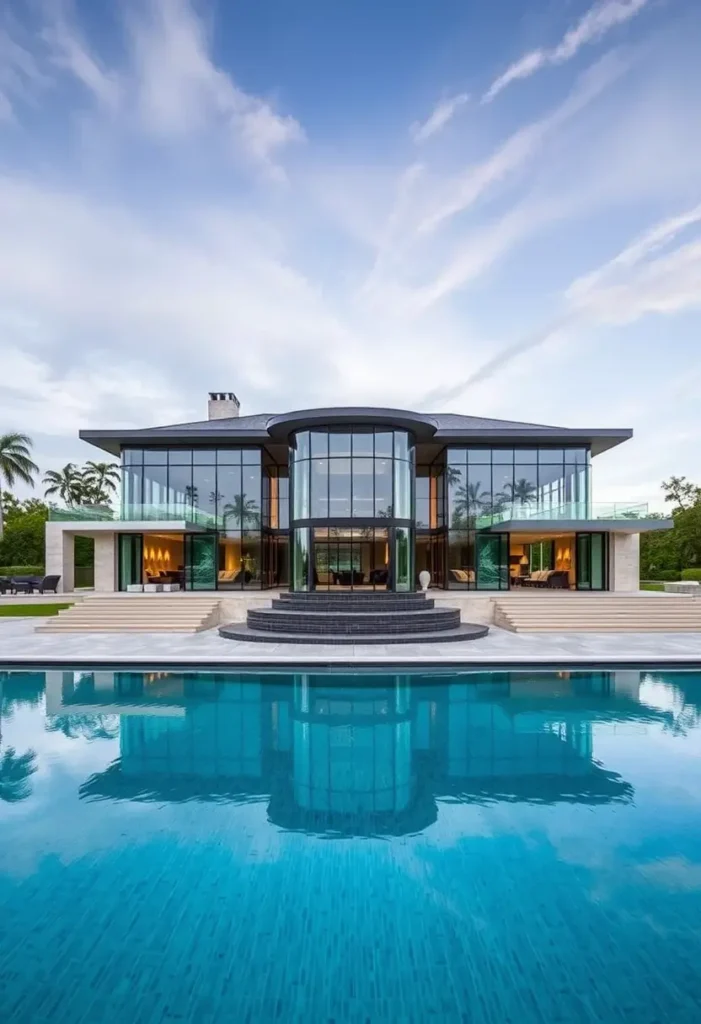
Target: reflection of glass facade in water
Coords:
[(332, 756)]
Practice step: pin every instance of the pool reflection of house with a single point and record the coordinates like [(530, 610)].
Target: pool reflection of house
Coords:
[(331, 758)]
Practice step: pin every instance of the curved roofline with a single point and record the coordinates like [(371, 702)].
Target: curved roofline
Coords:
[(423, 427)]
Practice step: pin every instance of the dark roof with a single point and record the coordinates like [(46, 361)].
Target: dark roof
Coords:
[(435, 427)]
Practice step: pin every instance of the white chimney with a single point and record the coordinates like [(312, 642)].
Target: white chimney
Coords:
[(222, 405)]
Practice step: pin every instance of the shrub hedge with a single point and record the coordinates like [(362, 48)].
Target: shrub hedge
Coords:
[(22, 570), (663, 575), (691, 575)]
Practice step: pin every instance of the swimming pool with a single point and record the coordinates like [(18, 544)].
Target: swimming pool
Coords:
[(478, 846)]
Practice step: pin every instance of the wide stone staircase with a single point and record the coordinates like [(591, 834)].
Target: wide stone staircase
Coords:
[(150, 613), (352, 618), (598, 613)]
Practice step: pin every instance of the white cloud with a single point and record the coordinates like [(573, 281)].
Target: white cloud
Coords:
[(597, 21), (20, 74), (442, 113), (522, 146)]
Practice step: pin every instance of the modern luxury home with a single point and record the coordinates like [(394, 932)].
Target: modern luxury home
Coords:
[(354, 499)]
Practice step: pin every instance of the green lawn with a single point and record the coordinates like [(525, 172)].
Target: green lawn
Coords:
[(652, 586), (16, 610)]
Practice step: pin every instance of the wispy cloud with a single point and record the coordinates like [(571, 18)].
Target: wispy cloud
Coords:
[(638, 281), (20, 73), (522, 145), (443, 112), (597, 21)]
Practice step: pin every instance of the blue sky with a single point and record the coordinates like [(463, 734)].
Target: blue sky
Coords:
[(488, 208)]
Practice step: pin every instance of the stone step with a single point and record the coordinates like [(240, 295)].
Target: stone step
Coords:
[(107, 614), (467, 631), (334, 602)]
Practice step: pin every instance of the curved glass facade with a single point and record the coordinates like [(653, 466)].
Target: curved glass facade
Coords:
[(352, 508)]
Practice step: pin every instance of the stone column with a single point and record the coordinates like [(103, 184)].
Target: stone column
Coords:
[(624, 561), (105, 562), (60, 555)]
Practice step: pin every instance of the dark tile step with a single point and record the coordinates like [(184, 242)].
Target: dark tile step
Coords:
[(348, 604), (467, 631), (354, 595), (353, 622)]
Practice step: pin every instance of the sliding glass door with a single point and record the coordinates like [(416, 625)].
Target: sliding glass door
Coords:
[(591, 567)]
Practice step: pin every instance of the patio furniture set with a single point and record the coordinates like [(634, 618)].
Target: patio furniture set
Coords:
[(29, 584)]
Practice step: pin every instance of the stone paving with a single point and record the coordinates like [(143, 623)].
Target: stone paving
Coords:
[(20, 644)]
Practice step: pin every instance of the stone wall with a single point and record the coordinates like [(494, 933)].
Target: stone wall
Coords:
[(624, 561)]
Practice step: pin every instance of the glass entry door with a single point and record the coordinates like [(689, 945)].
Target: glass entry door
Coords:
[(351, 558), (131, 559), (492, 561), (200, 561)]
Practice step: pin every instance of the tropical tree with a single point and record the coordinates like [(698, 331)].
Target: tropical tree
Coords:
[(100, 480), (15, 463), (522, 491), (681, 491), (89, 727), (243, 511), (67, 483), (15, 772)]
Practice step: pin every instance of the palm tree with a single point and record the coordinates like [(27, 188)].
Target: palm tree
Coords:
[(15, 772), (522, 491), (100, 480), (15, 463), (67, 483), (242, 511), (90, 727)]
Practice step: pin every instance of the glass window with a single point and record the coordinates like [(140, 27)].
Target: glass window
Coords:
[(479, 490), (502, 486), (423, 491), (179, 486), (457, 456), (300, 489), (384, 442), (502, 456), (284, 500), (339, 487), (578, 456), (228, 456), (551, 456), (132, 495), (250, 496), (204, 489), (300, 446), (339, 444), (204, 456), (401, 444), (479, 456), (251, 456), (363, 503), (525, 489), (526, 455), (320, 488), (319, 444), (362, 443), (383, 488), (155, 486), (133, 456), (457, 497), (402, 490), (423, 513), (180, 457), (461, 560), (229, 510), (155, 456)]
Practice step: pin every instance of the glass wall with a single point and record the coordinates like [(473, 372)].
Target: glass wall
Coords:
[(227, 491), (363, 474), (483, 483)]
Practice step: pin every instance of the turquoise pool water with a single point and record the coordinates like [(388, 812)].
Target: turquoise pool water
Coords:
[(484, 847)]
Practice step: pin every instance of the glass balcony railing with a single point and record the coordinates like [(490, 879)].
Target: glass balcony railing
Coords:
[(572, 510), (155, 513)]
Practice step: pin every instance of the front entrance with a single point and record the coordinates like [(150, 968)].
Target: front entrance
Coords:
[(351, 558)]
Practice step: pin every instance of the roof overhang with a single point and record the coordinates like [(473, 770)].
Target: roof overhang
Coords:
[(598, 440), (88, 528), (422, 427)]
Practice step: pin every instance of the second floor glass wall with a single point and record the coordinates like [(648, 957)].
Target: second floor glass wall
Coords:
[(486, 485), (222, 486), (364, 474)]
